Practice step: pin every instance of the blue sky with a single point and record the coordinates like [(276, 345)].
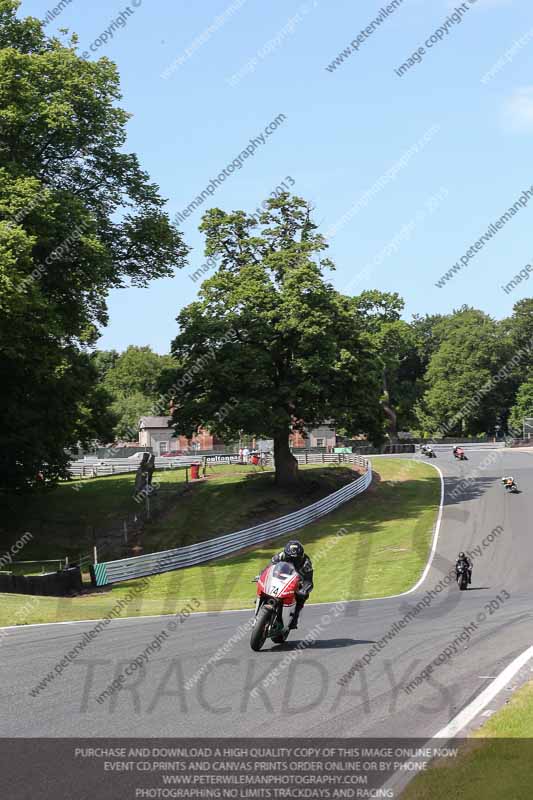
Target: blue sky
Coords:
[(468, 142)]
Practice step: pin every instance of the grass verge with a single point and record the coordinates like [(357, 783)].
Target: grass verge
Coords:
[(374, 546), (497, 762), (70, 519)]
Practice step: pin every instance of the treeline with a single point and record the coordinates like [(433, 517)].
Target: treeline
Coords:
[(130, 381), (460, 374)]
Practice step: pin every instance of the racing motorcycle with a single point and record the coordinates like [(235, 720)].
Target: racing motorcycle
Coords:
[(460, 454), (462, 576), (276, 587), (511, 487), (429, 452)]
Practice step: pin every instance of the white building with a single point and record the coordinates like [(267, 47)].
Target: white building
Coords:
[(155, 433)]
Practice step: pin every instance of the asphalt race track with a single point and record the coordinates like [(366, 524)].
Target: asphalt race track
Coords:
[(305, 697)]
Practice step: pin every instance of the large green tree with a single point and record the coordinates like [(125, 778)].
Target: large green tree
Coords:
[(520, 330), (270, 345), (523, 407), (463, 396), (132, 380), (396, 344), (78, 217)]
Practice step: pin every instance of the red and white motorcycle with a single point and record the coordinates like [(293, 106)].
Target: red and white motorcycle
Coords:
[(276, 587)]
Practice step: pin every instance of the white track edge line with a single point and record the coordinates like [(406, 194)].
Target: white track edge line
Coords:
[(478, 704), (243, 610), (399, 780)]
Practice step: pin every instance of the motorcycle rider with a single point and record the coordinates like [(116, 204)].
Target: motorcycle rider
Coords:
[(462, 558), (509, 482), (294, 554)]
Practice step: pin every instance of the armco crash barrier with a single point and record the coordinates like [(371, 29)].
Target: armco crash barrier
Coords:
[(55, 584), (155, 563)]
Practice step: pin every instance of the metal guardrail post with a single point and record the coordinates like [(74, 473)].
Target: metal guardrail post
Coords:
[(190, 555)]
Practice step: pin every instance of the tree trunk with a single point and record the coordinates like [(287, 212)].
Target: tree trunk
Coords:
[(285, 463), (389, 411)]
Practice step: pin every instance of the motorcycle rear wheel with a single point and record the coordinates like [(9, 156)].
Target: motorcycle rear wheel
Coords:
[(260, 629)]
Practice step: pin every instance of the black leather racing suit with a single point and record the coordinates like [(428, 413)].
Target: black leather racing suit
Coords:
[(466, 561), (304, 568)]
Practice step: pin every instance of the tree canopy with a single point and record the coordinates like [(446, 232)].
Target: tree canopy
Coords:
[(270, 334), (462, 396), (78, 217), (131, 379)]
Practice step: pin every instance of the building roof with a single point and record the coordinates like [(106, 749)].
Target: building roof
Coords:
[(154, 422)]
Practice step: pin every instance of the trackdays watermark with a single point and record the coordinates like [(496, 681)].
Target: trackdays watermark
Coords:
[(118, 22), (161, 686)]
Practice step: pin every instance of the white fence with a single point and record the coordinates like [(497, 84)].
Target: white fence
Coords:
[(330, 458), (448, 448), (117, 466), (189, 556)]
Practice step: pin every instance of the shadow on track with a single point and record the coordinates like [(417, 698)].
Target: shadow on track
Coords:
[(459, 489), (320, 644)]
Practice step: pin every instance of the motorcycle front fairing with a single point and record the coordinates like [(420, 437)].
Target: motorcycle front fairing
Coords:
[(282, 581), (276, 586)]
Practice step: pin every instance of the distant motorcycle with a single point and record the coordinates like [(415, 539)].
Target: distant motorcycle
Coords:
[(460, 454), (462, 576), (512, 488), (276, 587)]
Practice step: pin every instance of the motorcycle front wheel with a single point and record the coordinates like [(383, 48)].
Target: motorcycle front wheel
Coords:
[(260, 629)]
